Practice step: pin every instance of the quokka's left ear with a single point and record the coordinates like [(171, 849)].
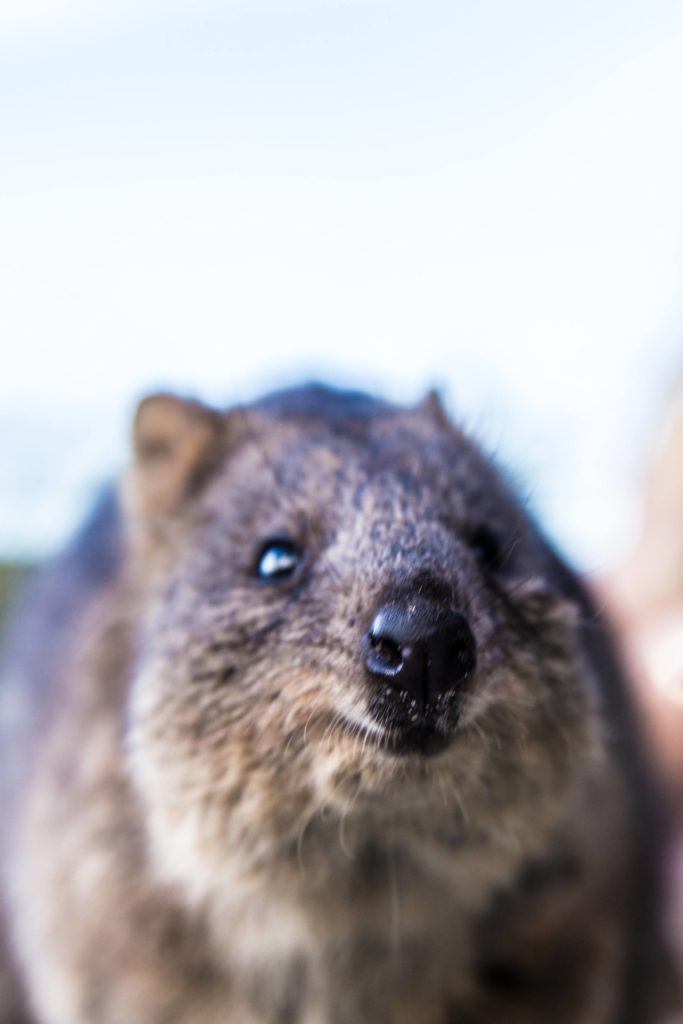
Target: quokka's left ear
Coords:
[(432, 405), (176, 443)]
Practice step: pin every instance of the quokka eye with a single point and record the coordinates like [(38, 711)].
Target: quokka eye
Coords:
[(278, 560), (487, 548)]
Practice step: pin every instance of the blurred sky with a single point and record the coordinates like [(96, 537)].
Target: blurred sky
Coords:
[(222, 196)]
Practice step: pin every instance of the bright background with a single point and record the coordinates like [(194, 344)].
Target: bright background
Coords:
[(219, 197)]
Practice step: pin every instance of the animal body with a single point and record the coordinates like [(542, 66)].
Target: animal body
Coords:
[(312, 726)]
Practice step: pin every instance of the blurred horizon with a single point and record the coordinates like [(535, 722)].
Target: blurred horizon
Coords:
[(224, 197)]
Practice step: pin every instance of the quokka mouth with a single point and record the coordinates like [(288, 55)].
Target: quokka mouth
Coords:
[(427, 739)]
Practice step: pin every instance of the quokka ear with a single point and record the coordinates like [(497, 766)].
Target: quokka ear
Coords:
[(432, 405), (176, 444)]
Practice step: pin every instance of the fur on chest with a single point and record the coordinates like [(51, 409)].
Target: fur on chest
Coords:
[(402, 935)]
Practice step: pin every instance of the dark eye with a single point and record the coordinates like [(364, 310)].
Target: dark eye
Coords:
[(487, 548), (279, 559)]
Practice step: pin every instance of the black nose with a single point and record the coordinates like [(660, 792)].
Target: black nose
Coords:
[(421, 648)]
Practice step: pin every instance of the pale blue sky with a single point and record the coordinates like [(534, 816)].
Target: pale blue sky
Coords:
[(221, 196)]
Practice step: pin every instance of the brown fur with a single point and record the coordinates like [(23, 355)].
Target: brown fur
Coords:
[(205, 824)]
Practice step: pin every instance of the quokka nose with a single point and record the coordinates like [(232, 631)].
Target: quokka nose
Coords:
[(421, 648)]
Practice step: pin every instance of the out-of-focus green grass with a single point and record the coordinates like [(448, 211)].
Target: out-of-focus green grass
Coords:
[(10, 575)]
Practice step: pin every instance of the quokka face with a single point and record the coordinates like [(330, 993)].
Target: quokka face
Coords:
[(348, 616)]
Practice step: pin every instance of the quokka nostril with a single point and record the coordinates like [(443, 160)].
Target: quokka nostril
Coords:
[(384, 655), (462, 655)]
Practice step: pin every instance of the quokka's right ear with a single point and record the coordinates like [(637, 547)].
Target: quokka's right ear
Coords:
[(176, 444)]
